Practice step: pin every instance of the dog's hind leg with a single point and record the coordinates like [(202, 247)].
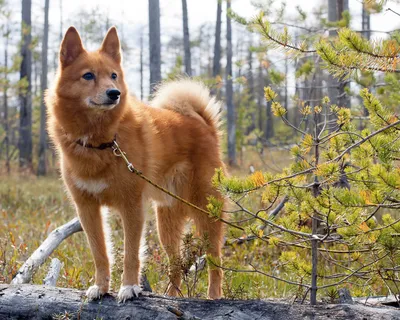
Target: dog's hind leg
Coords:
[(132, 221), (212, 230), (170, 223)]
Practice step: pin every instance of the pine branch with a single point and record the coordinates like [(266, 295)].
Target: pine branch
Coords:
[(264, 30)]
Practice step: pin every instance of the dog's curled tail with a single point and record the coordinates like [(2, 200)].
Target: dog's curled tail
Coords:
[(188, 97)]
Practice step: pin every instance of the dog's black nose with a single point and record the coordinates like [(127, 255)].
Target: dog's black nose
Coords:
[(113, 94)]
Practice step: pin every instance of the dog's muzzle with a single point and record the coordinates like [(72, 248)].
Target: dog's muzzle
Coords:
[(110, 100)]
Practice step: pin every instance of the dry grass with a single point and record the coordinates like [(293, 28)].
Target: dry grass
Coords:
[(32, 207)]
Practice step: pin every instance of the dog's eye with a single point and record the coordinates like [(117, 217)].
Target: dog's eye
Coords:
[(88, 76), (113, 76)]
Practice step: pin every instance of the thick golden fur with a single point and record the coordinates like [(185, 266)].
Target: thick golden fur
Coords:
[(175, 142)]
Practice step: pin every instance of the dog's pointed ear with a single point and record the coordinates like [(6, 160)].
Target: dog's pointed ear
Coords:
[(71, 47), (111, 45)]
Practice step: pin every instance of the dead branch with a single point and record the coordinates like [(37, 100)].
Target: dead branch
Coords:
[(40, 255)]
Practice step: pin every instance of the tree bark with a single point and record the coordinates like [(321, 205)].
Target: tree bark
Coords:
[(25, 130), (250, 77), (43, 86), (186, 39), (217, 44), (366, 23), (155, 43), (269, 130), (141, 68), (366, 28), (260, 95), (250, 85), (336, 90), (229, 91), (43, 302), (61, 21), (5, 97), (286, 88)]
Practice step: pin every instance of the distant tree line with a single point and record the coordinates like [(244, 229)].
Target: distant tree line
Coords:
[(232, 59)]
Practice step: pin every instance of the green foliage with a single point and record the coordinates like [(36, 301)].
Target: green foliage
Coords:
[(215, 207), (236, 17), (269, 94), (305, 70), (342, 23), (276, 77), (277, 109), (379, 115), (344, 177), (176, 71)]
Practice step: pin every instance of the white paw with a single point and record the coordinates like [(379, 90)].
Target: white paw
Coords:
[(128, 292), (94, 293)]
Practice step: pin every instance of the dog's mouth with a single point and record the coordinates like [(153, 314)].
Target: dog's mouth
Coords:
[(107, 105)]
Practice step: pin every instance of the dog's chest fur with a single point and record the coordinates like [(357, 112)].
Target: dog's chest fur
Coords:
[(92, 186)]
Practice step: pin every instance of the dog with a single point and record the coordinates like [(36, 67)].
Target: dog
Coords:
[(175, 141)]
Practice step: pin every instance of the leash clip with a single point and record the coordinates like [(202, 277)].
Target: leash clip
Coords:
[(119, 153), (116, 150)]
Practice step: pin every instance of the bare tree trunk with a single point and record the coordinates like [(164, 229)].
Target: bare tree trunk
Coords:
[(155, 43), (5, 96), (43, 84), (250, 86), (269, 130), (200, 51), (229, 91), (250, 77), (315, 218), (35, 74), (333, 84), (269, 126), (336, 90), (286, 88), (141, 67), (366, 23), (25, 135), (217, 45), (260, 95), (314, 263), (61, 20), (366, 28), (186, 39)]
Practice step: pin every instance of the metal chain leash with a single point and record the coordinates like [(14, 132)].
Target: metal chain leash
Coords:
[(121, 154)]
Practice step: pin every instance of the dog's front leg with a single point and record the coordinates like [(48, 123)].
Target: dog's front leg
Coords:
[(132, 221), (91, 220)]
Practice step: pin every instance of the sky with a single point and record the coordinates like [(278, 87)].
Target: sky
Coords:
[(132, 15)]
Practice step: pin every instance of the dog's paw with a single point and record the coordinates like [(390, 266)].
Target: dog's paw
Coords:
[(128, 292), (95, 292)]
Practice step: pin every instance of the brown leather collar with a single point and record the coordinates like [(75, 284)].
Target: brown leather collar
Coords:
[(101, 146)]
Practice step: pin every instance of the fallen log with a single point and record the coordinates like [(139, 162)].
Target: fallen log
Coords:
[(42, 302)]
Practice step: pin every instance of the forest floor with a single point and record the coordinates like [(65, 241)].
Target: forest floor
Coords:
[(31, 207)]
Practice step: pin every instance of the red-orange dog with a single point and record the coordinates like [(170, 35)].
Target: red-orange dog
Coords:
[(175, 142)]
